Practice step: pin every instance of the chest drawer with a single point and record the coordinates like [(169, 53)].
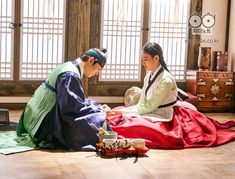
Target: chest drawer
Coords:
[(204, 75), (215, 90), (225, 75)]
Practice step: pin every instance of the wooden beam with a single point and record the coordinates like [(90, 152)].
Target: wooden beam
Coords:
[(25, 99), (194, 40)]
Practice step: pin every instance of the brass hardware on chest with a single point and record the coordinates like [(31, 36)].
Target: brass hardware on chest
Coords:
[(200, 96), (215, 80), (215, 89), (201, 82), (226, 95), (214, 99), (229, 82)]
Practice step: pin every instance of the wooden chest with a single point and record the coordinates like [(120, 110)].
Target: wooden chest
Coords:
[(215, 91)]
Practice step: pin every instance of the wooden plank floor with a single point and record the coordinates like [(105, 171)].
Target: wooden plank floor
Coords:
[(201, 163)]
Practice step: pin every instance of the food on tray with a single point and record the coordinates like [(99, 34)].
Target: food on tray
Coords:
[(125, 143), (102, 131), (103, 134)]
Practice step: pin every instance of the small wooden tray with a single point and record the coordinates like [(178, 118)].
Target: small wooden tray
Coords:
[(120, 151)]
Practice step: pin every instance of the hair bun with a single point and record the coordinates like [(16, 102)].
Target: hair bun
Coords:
[(104, 50)]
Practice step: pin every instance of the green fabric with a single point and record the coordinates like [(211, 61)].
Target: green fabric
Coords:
[(36, 109), (105, 127), (68, 66), (11, 143), (41, 102)]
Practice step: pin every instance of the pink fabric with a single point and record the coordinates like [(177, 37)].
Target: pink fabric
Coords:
[(188, 129), (192, 99)]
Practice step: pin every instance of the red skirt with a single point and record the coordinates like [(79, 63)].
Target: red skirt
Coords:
[(188, 129)]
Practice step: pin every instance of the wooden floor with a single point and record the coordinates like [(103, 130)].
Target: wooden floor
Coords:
[(201, 163)]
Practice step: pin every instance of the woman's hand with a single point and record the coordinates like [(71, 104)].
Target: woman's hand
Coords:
[(113, 112), (105, 107)]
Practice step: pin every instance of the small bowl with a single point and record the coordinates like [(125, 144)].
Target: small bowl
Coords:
[(109, 135), (138, 143)]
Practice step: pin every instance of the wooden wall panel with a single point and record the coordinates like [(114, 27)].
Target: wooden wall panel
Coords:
[(115, 89), (18, 89), (95, 31), (193, 46), (78, 27), (109, 89), (78, 30)]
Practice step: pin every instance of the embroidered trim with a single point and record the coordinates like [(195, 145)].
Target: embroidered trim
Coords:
[(77, 64), (50, 87), (168, 104), (150, 82)]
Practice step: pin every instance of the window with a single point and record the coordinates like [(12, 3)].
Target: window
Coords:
[(41, 24), (122, 33), (42, 37), (6, 39), (169, 28)]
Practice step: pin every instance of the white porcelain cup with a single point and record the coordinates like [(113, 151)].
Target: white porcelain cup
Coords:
[(138, 143), (109, 143)]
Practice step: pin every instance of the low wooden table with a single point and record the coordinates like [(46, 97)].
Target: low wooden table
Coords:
[(4, 116)]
